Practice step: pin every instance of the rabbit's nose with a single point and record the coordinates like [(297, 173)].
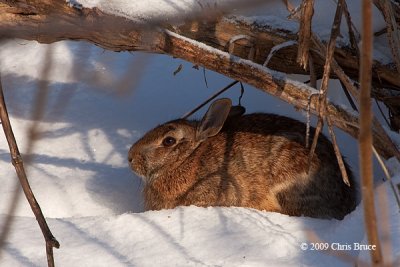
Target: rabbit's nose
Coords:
[(130, 158)]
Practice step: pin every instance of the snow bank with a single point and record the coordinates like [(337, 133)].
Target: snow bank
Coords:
[(189, 236)]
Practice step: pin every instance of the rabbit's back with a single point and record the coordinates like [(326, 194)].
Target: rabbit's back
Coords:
[(260, 161)]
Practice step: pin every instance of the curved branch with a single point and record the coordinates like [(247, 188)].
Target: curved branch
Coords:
[(203, 43)]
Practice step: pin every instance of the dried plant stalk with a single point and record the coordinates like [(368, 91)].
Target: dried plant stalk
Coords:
[(313, 74), (378, 129), (323, 95), (365, 135), (318, 129), (392, 29), (313, 84), (307, 11), (352, 36), (388, 176)]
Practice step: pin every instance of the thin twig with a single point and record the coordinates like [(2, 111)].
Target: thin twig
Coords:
[(308, 125), (321, 51), (19, 167), (324, 87), (339, 158), (350, 26), (318, 129), (209, 99), (241, 93), (313, 84), (381, 163), (347, 82), (205, 77), (392, 29), (348, 96), (34, 134), (313, 73), (387, 174), (381, 111), (323, 95), (365, 135)]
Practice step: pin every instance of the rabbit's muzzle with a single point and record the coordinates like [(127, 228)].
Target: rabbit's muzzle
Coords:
[(137, 162)]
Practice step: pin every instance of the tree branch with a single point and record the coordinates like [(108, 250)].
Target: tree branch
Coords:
[(307, 11), (50, 21), (51, 242)]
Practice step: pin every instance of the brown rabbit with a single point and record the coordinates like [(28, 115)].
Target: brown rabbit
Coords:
[(257, 161)]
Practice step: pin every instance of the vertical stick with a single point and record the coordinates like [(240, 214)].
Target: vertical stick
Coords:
[(19, 167), (365, 135), (307, 11)]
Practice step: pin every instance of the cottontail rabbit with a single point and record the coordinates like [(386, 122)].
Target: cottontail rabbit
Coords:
[(256, 160)]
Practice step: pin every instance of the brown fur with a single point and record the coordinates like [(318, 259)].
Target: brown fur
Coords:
[(257, 161)]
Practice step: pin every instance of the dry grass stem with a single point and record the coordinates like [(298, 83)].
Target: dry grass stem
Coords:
[(388, 176), (351, 29), (313, 84), (313, 73), (381, 163), (323, 95), (365, 135), (347, 82), (391, 29), (337, 152), (308, 124), (318, 129), (349, 97)]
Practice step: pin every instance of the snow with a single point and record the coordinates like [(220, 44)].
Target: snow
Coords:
[(161, 11), (189, 236), (388, 229), (272, 14), (92, 201)]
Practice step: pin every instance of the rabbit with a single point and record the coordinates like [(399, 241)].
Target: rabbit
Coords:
[(257, 161)]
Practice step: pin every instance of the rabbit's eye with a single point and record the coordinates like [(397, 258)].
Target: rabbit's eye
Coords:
[(169, 141)]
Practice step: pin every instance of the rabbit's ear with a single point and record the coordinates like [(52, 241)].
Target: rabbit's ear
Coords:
[(214, 119)]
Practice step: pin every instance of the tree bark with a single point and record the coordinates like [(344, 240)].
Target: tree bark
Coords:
[(201, 42), (48, 21)]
